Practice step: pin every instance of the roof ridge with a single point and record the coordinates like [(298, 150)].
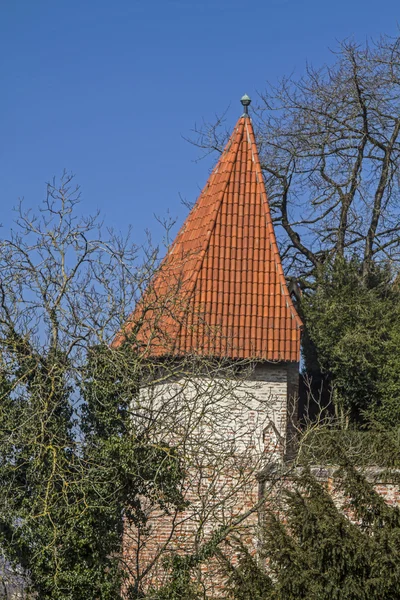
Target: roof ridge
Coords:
[(222, 193), (273, 242), (203, 250)]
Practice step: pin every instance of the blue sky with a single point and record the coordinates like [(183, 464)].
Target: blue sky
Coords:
[(107, 89)]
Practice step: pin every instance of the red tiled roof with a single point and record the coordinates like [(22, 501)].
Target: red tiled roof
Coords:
[(220, 290)]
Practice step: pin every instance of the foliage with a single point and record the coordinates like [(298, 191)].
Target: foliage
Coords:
[(248, 580), (325, 446), (73, 466), (63, 498), (312, 550), (181, 584), (352, 330)]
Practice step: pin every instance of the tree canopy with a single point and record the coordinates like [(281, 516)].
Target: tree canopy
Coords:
[(352, 332), (330, 148), (73, 468)]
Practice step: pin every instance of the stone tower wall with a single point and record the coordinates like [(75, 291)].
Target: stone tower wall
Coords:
[(237, 430)]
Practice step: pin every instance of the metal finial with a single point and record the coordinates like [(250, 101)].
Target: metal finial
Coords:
[(245, 101)]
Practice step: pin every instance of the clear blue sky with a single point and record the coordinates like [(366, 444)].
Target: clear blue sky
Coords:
[(107, 88)]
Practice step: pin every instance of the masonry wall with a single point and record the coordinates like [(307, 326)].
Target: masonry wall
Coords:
[(227, 432), (379, 477), (384, 481), (235, 437)]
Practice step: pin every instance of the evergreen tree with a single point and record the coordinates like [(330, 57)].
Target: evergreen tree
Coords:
[(313, 550), (352, 330)]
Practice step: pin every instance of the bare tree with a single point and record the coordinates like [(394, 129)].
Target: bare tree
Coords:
[(330, 150), (92, 431)]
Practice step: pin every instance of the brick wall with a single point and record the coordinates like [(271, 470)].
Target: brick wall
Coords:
[(227, 432), (381, 479)]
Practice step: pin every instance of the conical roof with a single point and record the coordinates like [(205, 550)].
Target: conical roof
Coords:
[(220, 290)]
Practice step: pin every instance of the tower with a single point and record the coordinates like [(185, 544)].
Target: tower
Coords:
[(219, 302)]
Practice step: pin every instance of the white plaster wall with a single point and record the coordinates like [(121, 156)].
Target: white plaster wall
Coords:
[(221, 414)]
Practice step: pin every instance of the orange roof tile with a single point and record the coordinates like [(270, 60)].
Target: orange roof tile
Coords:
[(220, 290)]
